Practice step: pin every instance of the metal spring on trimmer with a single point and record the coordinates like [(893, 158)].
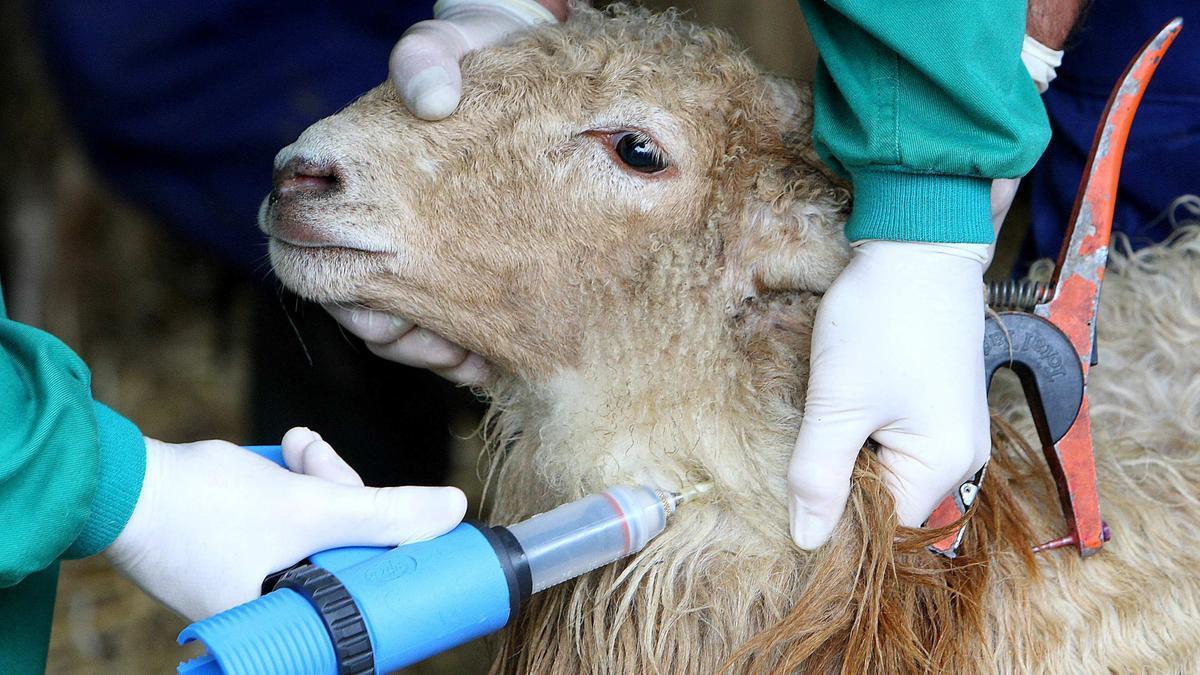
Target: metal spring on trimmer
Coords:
[(1013, 294)]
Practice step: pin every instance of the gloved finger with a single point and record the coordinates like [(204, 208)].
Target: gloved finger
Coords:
[(819, 475), (320, 460), (370, 325), (421, 348), (920, 476), (350, 516), (305, 452), (473, 370), (293, 444), (424, 68)]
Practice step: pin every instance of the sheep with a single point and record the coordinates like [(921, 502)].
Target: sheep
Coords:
[(655, 327)]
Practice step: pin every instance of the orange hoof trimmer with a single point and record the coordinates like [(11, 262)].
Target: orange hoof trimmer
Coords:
[(1050, 340)]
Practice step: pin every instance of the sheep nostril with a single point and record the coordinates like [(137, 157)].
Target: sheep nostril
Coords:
[(303, 176)]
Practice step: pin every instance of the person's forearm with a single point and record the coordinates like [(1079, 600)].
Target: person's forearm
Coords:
[(49, 451), (122, 468), (72, 468), (922, 106), (1050, 22)]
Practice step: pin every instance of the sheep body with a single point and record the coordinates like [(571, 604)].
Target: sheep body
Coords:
[(658, 330)]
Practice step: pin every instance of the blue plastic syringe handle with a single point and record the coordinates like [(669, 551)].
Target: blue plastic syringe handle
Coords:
[(415, 600), (271, 452)]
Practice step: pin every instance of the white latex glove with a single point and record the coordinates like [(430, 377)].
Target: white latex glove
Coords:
[(1041, 61), (396, 339), (424, 63), (897, 356), (213, 519)]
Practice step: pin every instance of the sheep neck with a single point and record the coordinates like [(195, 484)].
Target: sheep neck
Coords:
[(661, 402)]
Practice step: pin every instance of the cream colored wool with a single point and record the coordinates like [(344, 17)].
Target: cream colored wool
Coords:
[(657, 329)]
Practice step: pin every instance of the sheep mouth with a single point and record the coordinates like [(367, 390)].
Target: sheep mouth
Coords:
[(327, 272), (290, 228), (320, 248)]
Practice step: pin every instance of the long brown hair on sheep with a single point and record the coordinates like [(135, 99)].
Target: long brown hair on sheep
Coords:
[(658, 330), (874, 600), (896, 608)]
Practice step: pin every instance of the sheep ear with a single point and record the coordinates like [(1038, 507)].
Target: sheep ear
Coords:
[(791, 231)]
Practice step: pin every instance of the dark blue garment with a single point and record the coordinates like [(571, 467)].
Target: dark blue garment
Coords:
[(1162, 159), (182, 105)]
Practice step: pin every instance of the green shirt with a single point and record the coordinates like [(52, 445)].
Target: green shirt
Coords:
[(70, 474), (921, 104)]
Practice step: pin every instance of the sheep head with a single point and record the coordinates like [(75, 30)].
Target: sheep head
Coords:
[(627, 217), (584, 160)]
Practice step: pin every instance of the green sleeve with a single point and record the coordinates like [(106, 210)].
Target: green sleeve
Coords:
[(921, 104), (70, 469), (122, 467)]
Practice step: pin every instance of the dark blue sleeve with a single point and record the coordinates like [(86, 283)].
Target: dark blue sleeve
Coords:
[(1160, 158), (182, 105)]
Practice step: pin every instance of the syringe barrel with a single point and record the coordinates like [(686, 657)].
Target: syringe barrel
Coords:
[(583, 535)]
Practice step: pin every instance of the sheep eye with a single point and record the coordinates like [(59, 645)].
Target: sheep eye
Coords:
[(639, 152)]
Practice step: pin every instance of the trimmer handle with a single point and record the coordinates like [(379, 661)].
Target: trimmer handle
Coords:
[(1048, 367)]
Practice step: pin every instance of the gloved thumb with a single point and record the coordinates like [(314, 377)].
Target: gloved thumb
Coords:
[(819, 474), (425, 62), (922, 470), (918, 481), (363, 516), (304, 451), (424, 67)]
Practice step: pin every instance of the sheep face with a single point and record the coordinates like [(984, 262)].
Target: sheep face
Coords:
[(581, 158), (654, 320)]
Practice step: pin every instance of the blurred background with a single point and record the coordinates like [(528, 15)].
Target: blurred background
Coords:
[(137, 138)]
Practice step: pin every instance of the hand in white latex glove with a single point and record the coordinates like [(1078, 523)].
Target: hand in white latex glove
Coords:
[(213, 519), (897, 356), (424, 63), (402, 341)]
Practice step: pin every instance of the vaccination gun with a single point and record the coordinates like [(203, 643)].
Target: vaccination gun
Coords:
[(357, 610)]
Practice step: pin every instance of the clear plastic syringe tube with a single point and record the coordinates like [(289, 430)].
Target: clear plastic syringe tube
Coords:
[(578, 537)]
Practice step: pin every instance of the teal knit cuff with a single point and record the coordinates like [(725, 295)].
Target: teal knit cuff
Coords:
[(122, 468), (920, 207)]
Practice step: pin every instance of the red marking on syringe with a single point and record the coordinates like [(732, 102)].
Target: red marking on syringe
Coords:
[(624, 519)]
